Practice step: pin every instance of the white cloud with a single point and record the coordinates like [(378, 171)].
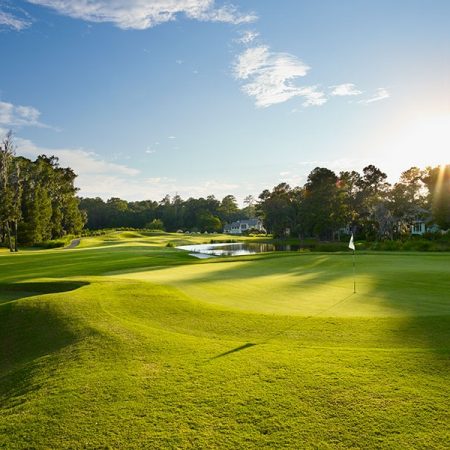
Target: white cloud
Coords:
[(247, 37), (312, 96), (209, 187), (293, 179), (171, 137), (345, 89), (81, 161), (12, 115), (380, 94), (100, 178), (268, 77), (158, 180), (13, 22), (143, 14)]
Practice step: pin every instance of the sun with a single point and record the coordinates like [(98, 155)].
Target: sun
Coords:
[(421, 141), (426, 140)]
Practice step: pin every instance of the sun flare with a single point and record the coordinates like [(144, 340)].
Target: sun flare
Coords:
[(426, 140)]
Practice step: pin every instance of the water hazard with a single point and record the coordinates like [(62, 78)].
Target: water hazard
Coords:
[(236, 249)]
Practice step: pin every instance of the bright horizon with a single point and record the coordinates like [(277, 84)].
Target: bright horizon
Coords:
[(197, 97)]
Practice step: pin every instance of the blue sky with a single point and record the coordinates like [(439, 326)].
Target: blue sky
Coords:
[(144, 98)]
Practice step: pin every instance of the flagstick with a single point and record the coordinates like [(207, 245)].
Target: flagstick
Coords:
[(354, 270)]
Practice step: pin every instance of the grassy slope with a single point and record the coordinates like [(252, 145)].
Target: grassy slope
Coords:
[(269, 351)]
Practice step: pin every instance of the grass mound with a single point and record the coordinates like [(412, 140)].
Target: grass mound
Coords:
[(138, 345)]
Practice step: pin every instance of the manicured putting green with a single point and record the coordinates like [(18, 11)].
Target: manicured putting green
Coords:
[(309, 284)]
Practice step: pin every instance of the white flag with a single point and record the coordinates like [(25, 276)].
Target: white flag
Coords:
[(351, 244)]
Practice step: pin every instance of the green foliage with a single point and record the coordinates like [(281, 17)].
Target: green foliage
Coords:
[(155, 224), (10, 191), (277, 209), (37, 198), (437, 180), (228, 210), (416, 244), (330, 247), (328, 206)]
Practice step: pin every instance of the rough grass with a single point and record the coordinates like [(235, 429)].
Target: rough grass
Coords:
[(123, 343)]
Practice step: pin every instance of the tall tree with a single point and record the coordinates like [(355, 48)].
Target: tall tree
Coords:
[(228, 209), (322, 209), (373, 190), (437, 180), (8, 186), (249, 210), (407, 200), (277, 210)]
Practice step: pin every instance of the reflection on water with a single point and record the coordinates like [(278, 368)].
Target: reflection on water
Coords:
[(237, 249)]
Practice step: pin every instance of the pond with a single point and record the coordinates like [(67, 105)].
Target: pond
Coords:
[(236, 249)]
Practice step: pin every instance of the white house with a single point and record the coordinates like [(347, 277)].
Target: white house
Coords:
[(419, 227), (241, 226)]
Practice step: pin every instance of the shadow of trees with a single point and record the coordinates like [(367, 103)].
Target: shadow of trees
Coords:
[(413, 289), (14, 291), (29, 330)]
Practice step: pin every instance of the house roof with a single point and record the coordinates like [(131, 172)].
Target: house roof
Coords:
[(237, 224)]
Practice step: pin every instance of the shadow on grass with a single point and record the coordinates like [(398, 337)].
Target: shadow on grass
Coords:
[(234, 350), (15, 291), (88, 262), (414, 287), (28, 332), (32, 329), (300, 321)]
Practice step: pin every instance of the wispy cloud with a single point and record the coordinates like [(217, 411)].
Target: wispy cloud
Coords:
[(18, 115), (158, 180), (82, 161), (97, 177), (100, 178), (268, 77), (312, 96), (141, 14), (247, 37), (12, 21), (380, 94), (342, 90)]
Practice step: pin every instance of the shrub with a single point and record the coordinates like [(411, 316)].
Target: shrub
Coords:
[(155, 224), (330, 247), (419, 245)]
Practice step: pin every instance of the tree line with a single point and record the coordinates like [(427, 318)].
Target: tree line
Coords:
[(365, 204), (326, 206), (38, 200), (171, 213)]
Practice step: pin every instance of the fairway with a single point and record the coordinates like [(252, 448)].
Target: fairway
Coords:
[(123, 342)]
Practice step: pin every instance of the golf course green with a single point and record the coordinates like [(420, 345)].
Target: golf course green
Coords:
[(123, 342)]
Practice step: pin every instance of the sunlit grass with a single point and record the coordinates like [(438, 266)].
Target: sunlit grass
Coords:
[(267, 351)]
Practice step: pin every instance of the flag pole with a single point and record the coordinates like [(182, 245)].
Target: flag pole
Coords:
[(354, 273), (351, 246)]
